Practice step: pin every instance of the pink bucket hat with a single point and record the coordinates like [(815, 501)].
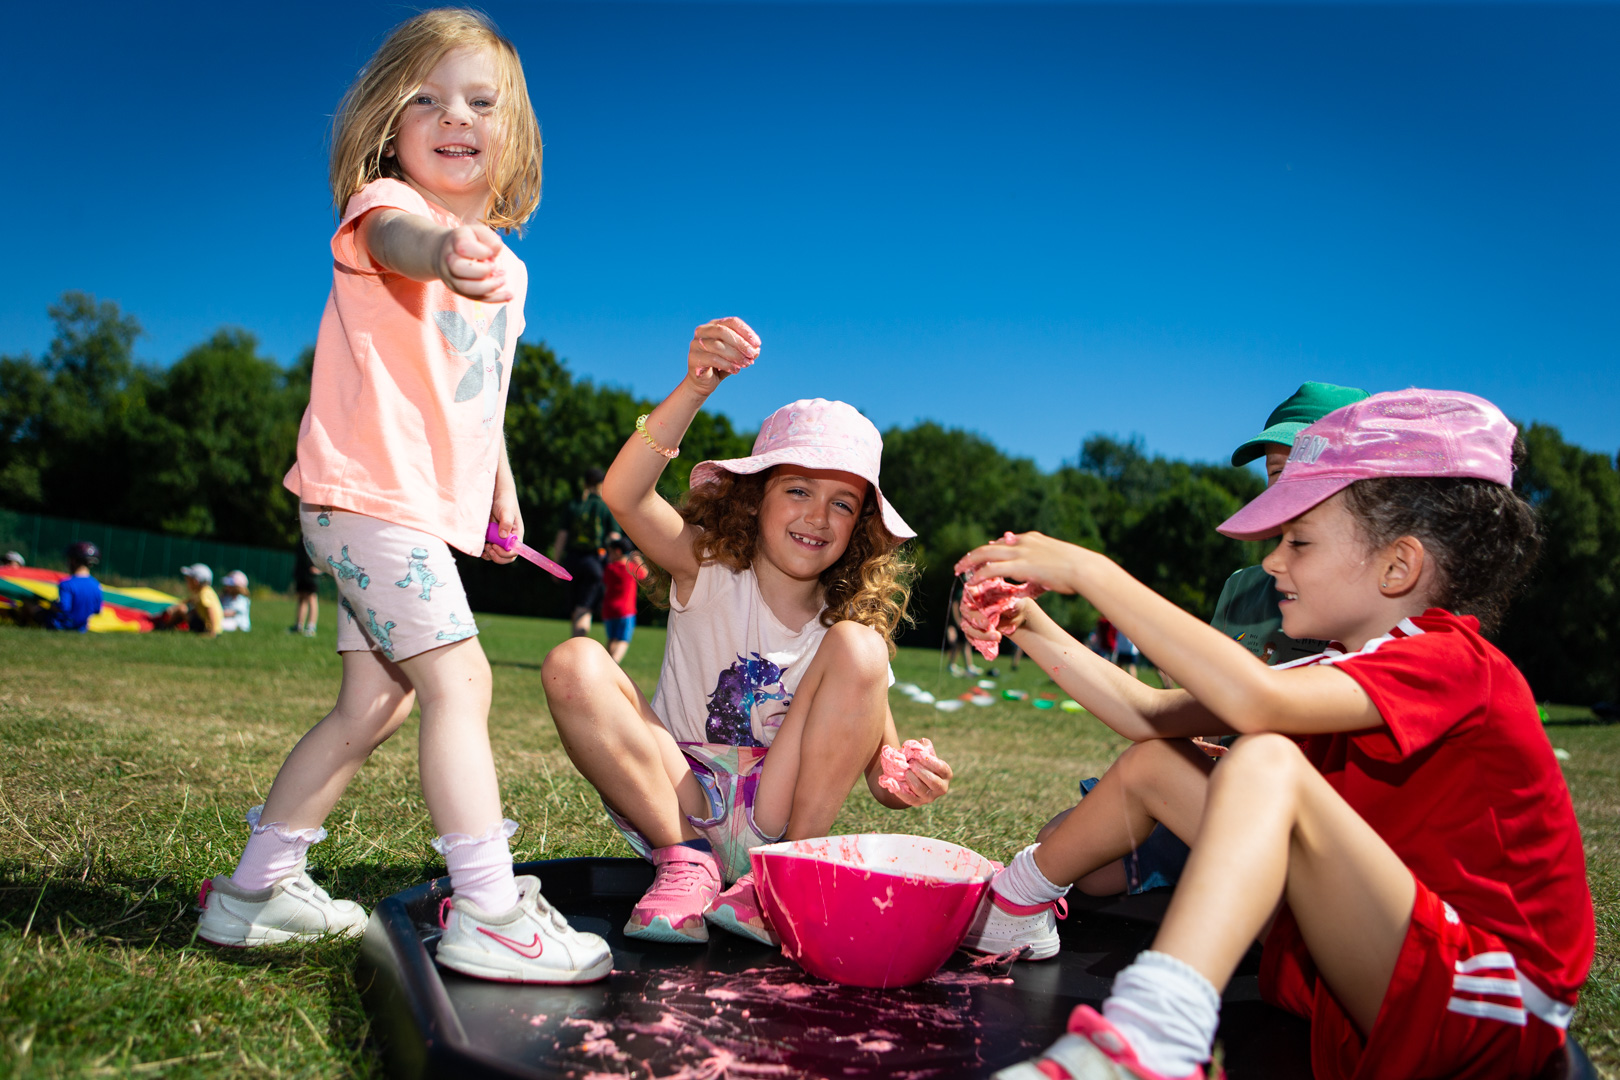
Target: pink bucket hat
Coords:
[(815, 434), (1413, 433)]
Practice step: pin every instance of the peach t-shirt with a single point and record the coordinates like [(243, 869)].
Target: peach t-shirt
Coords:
[(409, 388)]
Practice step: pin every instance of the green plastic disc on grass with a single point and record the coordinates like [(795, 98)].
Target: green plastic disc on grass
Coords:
[(1043, 703)]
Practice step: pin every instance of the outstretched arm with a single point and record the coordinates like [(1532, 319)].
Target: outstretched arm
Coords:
[(423, 250), (1129, 706), (1223, 676), (719, 349)]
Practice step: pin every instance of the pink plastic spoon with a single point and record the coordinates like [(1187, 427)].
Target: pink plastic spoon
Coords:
[(510, 543)]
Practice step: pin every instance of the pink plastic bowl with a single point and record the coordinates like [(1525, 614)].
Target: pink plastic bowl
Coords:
[(870, 910)]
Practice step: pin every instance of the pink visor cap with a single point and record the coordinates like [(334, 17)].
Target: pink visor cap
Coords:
[(815, 434), (1413, 433)]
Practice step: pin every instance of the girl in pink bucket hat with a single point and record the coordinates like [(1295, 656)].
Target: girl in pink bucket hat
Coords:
[(786, 588), (1393, 824)]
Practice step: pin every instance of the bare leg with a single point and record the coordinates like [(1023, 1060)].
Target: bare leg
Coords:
[(314, 612), (457, 766), (581, 622), (1161, 781), (615, 740), (831, 731), (617, 649), (373, 700), (1111, 880), (1274, 829)]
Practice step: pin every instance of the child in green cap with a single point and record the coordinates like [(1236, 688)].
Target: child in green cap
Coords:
[(1247, 610)]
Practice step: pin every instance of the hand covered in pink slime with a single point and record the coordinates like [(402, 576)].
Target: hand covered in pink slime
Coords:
[(985, 602), (914, 773)]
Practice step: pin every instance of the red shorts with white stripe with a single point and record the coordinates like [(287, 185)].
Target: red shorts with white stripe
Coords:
[(1457, 1005)]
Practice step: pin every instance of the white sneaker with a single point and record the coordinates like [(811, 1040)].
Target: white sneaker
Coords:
[(1000, 927), (293, 909), (531, 943)]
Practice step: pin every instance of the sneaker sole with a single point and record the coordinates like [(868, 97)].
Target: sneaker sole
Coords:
[(478, 966), (660, 930), (258, 936), (726, 920)]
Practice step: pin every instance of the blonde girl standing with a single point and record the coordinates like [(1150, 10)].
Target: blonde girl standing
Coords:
[(401, 457)]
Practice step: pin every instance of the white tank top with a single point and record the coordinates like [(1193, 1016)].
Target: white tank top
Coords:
[(731, 667)]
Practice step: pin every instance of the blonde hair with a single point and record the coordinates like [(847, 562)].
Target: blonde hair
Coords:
[(367, 118), (869, 584)]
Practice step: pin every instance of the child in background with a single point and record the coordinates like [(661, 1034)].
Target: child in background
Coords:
[(1395, 795), (582, 548), (624, 570), (201, 613), (1247, 610), (786, 587), (304, 584), (400, 457), (235, 604), (78, 596)]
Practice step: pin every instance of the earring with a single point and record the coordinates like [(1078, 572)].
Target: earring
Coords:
[(1383, 584)]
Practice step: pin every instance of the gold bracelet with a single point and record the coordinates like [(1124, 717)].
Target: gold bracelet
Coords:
[(641, 426)]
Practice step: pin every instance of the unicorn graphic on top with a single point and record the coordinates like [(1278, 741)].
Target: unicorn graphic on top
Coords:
[(739, 688), (480, 344)]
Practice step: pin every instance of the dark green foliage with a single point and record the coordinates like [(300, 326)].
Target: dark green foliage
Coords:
[(1564, 632), (196, 450), (199, 450)]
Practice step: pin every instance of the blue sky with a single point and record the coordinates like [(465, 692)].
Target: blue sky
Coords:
[(1035, 222)]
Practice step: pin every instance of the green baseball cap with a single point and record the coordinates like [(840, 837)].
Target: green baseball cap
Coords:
[(1309, 403)]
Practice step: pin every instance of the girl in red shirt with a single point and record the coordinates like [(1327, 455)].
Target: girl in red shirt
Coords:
[(1392, 824)]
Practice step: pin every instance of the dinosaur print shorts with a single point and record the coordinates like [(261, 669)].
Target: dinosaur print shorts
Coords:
[(397, 587)]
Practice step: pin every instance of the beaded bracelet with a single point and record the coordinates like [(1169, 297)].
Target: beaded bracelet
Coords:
[(641, 426)]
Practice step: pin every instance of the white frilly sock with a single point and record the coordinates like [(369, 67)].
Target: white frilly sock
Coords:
[(1167, 1011), (481, 866), (273, 852)]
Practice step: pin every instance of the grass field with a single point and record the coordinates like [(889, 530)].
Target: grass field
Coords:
[(126, 762)]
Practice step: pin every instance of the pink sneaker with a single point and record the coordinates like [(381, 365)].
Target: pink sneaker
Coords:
[(671, 911), (737, 910), (1093, 1048)]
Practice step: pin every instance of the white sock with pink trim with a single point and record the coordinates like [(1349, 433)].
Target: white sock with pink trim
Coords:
[(1167, 1011), (1022, 882), (273, 852), (481, 866)]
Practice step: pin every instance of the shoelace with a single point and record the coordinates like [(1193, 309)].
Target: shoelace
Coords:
[(677, 877)]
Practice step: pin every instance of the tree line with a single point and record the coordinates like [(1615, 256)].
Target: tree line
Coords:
[(199, 449)]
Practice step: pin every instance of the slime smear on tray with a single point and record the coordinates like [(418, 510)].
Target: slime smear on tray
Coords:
[(776, 1022)]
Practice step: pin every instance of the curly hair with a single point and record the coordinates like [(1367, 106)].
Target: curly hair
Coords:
[(1482, 536), (869, 584)]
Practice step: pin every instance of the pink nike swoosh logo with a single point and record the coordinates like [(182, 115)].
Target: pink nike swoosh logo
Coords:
[(532, 950)]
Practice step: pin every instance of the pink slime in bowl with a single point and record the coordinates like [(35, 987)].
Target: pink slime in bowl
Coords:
[(875, 909)]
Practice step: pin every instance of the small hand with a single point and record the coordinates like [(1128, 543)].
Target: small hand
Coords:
[(719, 348), (1028, 557), (927, 778), (976, 626), (505, 513), (466, 264)]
